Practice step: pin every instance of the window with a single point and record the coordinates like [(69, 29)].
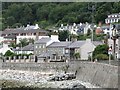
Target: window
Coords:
[(36, 46), (40, 46)]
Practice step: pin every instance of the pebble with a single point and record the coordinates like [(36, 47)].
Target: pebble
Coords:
[(40, 79)]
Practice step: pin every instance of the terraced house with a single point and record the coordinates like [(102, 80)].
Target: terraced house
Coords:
[(50, 49)]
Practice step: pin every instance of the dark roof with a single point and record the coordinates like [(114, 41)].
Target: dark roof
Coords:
[(43, 55), (96, 43), (59, 44), (105, 27), (9, 31), (29, 47), (118, 27), (112, 18), (10, 36), (43, 40), (76, 44)]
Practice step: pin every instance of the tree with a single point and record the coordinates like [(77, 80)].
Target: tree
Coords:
[(77, 55), (101, 57), (13, 45), (31, 41), (63, 35), (10, 20), (100, 49), (23, 42), (9, 53), (27, 15), (53, 13)]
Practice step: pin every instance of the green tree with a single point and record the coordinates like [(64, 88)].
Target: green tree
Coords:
[(27, 15), (9, 53), (13, 45), (10, 20), (100, 49), (23, 42), (77, 55), (63, 35), (53, 13), (101, 57)]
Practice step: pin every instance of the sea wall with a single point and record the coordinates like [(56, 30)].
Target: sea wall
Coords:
[(98, 74)]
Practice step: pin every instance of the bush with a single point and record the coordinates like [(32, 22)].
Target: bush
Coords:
[(9, 53), (101, 57)]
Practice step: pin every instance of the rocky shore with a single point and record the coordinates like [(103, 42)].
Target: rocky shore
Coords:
[(35, 79)]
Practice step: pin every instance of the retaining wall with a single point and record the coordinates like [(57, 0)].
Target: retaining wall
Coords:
[(98, 74)]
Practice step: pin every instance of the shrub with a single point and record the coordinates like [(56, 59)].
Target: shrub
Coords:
[(9, 53), (101, 57)]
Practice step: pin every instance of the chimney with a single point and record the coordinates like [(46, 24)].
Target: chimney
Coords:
[(61, 25), (36, 25), (54, 38), (28, 25), (88, 40)]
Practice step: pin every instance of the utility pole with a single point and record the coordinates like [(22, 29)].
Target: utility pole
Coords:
[(92, 9), (119, 42)]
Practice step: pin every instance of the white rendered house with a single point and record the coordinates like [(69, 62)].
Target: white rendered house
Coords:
[(112, 18)]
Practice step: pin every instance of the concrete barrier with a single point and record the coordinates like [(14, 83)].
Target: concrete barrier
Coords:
[(99, 74)]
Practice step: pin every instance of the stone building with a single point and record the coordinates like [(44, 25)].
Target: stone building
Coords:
[(40, 46), (58, 50)]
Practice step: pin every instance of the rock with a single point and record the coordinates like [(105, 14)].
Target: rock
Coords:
[(78, 86), (61, 77)]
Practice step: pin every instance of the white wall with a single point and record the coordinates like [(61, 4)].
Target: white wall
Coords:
[(4, 49), (1, 39), (23, 37), (24, 52), (86, 49)]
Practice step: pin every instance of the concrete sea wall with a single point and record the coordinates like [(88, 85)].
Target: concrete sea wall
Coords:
[(98, 74)]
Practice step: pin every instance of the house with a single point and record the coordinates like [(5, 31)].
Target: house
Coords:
[(84, 48), (46, 48), (110, 43), (98, 30), (14, 35), (58, 50), (118, 48), (29, 49), (4, 48), (112, 18), (76, 29), (1, 39), (29, 27), (40, 46), (74, 47), (107, 29)]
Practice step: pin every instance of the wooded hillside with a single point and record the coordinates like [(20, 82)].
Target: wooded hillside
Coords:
[(53, 14)]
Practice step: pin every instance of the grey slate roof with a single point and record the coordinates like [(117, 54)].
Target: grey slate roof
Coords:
[(9, 31), (29, 47), (112, 18), (96, 43), (44, 55), (59, 44), (76, 44), (10, 36), (42, 41)]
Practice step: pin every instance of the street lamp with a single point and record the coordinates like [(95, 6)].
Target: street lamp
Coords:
[(114, 37)]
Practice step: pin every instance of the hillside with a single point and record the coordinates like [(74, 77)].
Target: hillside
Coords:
[(53, 14)]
